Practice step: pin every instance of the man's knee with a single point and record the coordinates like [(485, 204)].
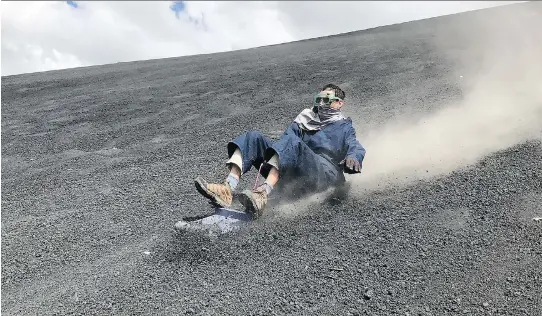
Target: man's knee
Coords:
[(244, 141)]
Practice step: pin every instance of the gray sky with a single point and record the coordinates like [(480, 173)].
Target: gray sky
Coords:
[(40, 36)]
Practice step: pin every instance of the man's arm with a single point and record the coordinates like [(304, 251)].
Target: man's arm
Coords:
[(354, 151)]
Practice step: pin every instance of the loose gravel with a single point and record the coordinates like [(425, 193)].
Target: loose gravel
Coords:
[(98, 164)]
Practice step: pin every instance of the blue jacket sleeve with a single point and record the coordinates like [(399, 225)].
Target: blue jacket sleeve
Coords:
[(353, 147)]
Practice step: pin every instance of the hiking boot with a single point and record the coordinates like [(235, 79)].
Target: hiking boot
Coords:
[(220, 194), (254, 201)]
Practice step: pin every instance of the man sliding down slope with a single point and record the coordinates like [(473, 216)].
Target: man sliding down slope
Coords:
[(317, 146)]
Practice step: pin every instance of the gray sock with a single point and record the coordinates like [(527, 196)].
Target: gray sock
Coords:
[(267, 187), (233, 181)]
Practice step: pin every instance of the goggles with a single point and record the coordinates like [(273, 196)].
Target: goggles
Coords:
[(326, 98)]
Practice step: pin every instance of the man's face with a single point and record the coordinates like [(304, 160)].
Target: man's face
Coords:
[(329, 96)]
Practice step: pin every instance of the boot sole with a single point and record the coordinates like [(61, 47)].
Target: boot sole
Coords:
[(200, 186), (245, 198)]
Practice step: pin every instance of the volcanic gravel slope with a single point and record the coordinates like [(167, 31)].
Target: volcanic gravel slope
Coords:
[(98, 164)]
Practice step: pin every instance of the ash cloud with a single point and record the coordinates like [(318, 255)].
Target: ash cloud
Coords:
[(500, 73)]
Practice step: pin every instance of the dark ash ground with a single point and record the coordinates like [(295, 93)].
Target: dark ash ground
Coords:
[(98, 164)]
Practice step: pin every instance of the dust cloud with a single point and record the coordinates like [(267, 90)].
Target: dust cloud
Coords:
[(500, 73)]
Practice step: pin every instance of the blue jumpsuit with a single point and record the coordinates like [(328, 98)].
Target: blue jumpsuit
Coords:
[(311, 157)]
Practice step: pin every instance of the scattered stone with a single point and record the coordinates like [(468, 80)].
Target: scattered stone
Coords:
[(196, 105)]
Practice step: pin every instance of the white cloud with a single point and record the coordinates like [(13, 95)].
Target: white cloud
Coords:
[(39, 36)]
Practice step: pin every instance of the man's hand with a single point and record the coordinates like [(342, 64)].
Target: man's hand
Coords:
[(351, 165)]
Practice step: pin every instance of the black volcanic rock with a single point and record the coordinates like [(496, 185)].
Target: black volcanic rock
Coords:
[(98, 164)]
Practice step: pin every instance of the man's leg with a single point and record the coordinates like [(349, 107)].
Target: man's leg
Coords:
[(273, 176), (255, 200), (295, 158), (245, 151), (234, 165), (290, 156)]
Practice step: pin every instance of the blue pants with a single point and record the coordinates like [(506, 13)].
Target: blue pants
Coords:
[(297, 161)]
